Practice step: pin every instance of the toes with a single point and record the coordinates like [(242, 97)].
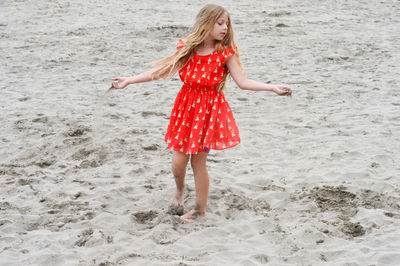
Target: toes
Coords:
[(186, 220)]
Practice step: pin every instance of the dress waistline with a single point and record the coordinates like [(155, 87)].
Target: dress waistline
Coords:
[(200, 88)]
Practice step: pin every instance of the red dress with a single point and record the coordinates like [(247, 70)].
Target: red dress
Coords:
[(201, 117)]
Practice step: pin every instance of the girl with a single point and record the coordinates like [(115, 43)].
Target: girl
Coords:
[(201, 119)]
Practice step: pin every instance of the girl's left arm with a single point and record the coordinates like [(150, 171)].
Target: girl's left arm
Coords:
[(247, 84)]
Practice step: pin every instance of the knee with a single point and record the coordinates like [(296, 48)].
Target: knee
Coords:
[(197, 163), (179, 166), (177, 170)]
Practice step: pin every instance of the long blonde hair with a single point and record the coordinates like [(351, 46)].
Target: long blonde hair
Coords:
[(205, 20)]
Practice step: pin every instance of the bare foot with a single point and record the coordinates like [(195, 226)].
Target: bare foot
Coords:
[(191, 216), (176, 207)]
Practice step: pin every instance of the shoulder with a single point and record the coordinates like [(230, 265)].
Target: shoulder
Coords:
[(179, 44), (229, 51)]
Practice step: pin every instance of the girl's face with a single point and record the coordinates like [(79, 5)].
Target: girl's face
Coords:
[(220, 28)]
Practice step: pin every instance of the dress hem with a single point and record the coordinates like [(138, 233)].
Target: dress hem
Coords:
[(217, 149)]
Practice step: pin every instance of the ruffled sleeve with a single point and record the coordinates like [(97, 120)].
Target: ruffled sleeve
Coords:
[(229, 51), (179, 44)]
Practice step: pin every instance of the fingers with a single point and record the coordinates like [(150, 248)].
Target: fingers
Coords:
[(286, 90), (114, 84)]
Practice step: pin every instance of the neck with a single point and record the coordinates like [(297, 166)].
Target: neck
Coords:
[(208, 43)]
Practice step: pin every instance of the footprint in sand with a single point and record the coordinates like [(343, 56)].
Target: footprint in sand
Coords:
[(77, 132), (84, 237), (45, 163), (352, 229), (82, 154), (333, 198), (346, 204), (21, 124), (76, 136), (144, 217), (175, 210), (43, 119), (153, 147), (151, 113), (235, 202), (263, 259), (163, 237)]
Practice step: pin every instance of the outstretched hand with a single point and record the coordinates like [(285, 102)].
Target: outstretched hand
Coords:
[(282, 90), (120, 82)]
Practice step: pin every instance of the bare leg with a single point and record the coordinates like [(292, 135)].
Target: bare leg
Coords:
[(202, 181), (179, 163)]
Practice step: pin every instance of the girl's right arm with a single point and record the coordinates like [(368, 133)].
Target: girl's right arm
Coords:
[(122, 82)]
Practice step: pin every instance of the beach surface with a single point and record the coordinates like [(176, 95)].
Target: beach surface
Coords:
[(85, 175)]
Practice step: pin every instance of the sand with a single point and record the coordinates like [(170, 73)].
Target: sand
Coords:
[(86, 179)]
